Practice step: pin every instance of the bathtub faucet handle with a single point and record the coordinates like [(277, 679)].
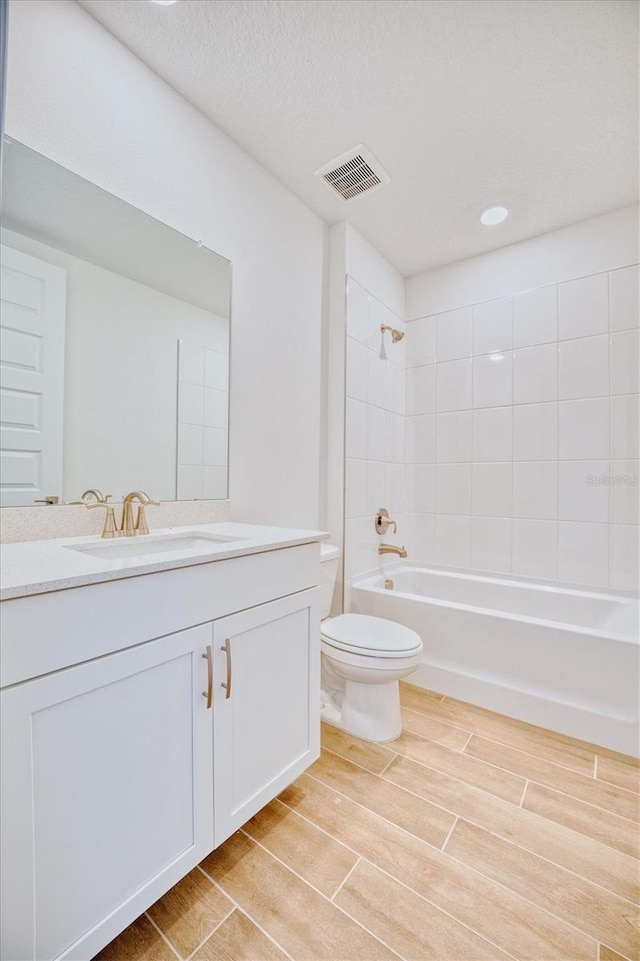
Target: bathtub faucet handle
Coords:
[(383, 522)]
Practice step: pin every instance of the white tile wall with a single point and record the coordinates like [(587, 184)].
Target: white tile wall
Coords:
[(453, 540), (624, 295), (583, 307), (584, 427), (493, 379), (376, 423), (203, 378), (492, 326), (493, 434), (490, 543), (535, 374), (505, 437), (492, 489), (453, 385), (453, 335), (535, 317), (536, 454), (453, 437), (584, 368)]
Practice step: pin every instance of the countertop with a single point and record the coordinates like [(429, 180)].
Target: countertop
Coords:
[(36, 567)]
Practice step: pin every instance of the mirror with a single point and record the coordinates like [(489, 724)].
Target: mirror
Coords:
[(114, 354)]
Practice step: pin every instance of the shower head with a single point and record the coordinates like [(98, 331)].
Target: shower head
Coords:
[(396, 335)]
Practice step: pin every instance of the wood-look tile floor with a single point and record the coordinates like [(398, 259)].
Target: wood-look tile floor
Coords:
[(473, 837)]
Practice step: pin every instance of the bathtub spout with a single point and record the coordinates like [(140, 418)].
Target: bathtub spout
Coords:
[(391, 549)]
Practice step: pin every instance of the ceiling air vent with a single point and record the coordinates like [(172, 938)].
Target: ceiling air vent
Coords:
[(353, 173)]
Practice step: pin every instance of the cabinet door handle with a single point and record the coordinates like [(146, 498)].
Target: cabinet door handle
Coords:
[(226, 647), (209, 691)]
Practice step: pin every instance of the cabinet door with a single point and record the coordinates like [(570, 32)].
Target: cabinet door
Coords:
[(106, 794), (266, 711)]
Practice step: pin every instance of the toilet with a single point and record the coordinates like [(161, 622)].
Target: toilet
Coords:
[(363, 658)]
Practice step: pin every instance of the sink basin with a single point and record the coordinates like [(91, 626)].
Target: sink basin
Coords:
[(145, 544)]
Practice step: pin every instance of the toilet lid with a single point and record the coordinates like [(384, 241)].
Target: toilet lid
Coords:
[(363, 634)]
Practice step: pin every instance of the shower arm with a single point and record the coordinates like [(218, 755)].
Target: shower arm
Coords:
[(396, 335)]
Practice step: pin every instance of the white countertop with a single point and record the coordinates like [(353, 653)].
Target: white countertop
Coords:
[(35, 567)]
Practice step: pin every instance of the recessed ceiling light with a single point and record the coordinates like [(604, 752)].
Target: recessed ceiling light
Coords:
[(491, 216), (164, 3)]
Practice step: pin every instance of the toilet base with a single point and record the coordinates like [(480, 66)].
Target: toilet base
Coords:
[(368, 711)]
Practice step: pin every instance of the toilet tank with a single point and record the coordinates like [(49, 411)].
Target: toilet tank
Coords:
[(329, 557)]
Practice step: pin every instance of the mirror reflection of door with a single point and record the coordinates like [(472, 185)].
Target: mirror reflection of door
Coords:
[(32, 328)]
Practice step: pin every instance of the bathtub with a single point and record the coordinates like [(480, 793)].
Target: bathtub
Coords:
[(566, 659)]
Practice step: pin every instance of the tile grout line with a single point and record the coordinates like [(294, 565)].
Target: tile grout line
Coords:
[(524, 791), (510, 747), (212, 932), (430, 717), (242, 910), (399, 827), (504, 743), (487, 831), (400, 786), (534, 814), (528, 782), (558, 867), (587, 777), (318, 891), (446, 840), (596, 807), (515, 724), (618, 787), (398, 881), (388, 764), (345, 879), (162, 935), (501, 885), (594, 840)]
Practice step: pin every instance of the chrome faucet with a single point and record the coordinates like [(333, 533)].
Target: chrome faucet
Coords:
[(128, 528), (391, 549)]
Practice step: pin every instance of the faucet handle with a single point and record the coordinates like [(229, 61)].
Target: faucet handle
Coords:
[(383, 522), (110, 528), (141, 520)]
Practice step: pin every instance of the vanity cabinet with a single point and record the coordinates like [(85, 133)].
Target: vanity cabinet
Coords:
[(122, 768), (266, 670), (107, 792)]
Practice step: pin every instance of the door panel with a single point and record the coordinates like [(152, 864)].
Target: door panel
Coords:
[(32, 378)]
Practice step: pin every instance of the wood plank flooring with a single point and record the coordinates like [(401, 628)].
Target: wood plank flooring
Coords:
[(473, 837)]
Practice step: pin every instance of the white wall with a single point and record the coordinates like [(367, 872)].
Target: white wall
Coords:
[(81, 98), (522, 408), (366, 465)]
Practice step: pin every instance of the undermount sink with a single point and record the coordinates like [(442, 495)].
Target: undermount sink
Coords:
[(144, 544)]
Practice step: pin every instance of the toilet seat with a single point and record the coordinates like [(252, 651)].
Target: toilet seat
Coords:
[(369, 636)]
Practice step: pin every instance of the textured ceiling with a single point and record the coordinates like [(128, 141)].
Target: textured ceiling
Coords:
[(464, 103)]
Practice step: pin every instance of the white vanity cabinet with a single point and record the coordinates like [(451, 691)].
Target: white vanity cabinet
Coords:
[(107, 784), (125, 767), (266, 679)]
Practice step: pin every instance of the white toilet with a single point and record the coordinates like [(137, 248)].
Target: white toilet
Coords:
[(363, 658)]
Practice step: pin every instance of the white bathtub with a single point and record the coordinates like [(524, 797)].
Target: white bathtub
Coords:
[(561, 658)]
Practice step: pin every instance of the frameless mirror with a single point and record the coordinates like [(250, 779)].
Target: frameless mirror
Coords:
[(114, 353)]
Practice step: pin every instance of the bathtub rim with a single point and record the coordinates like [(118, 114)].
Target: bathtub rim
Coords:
[(367, 582)]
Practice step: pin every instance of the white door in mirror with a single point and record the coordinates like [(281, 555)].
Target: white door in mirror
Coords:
[(32, 361)]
